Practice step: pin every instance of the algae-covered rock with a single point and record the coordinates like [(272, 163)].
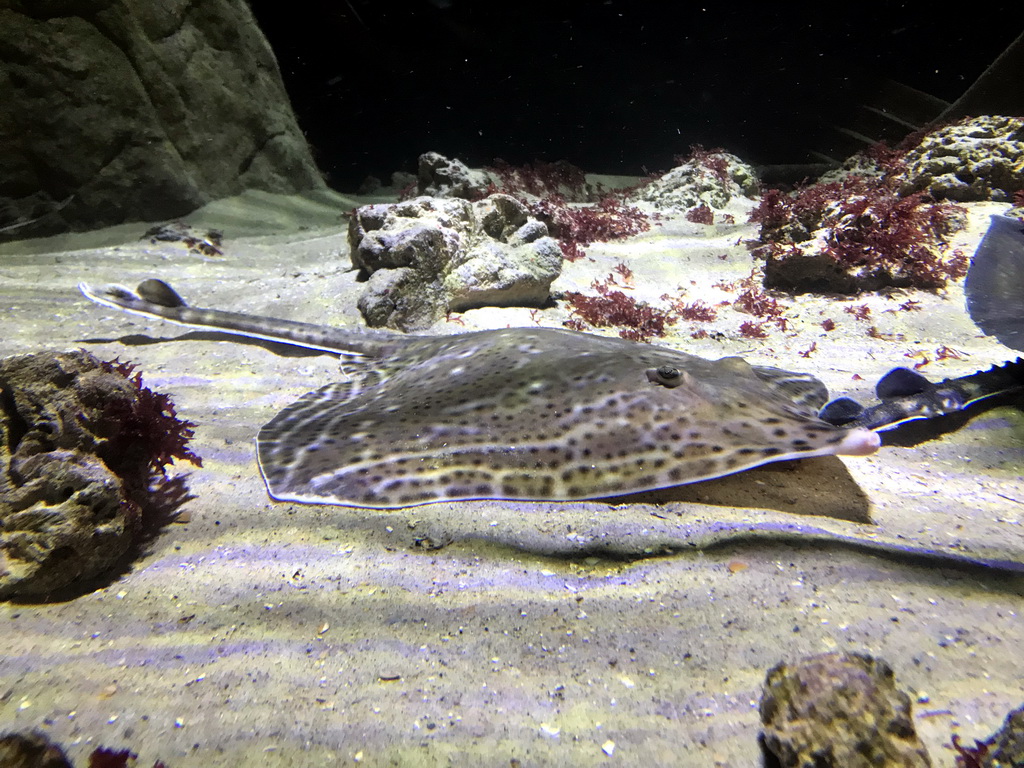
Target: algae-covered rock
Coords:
[(980, 158), (710, 178), (80, 440), (31, 750), (449, 255), (838, 710)]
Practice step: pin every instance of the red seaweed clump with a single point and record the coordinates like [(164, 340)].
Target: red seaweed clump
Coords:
[(145, 431), (701, 214), (696, 311), (712, 160), (752, 330), (758, 303), (866, 234), (892, 239), (638, 320), (576, 227), (541, 179), (561, 189)]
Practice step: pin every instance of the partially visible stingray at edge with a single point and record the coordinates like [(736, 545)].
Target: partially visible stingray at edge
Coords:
[(538, 414)]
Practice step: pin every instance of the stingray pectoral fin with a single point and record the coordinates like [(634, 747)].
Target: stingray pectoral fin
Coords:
[(859, 442)]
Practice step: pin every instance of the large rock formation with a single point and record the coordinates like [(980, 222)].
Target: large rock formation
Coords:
[(119, 111)]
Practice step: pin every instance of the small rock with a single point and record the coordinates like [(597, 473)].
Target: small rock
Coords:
[(838, 710), (440, 177)]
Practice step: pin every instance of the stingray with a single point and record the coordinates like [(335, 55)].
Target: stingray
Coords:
[(539, 414)]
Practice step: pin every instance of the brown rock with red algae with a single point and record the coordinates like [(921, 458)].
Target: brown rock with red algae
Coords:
[(80, 441), (838, 710), (857, 234), (30, 750), (707, 177)]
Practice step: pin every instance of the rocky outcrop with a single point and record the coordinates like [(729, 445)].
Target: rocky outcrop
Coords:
[(117, 111), (425, 257), (708, 178), (440, 177), (980, 158)]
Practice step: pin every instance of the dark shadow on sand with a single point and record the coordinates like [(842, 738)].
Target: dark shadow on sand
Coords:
[(278, 348), (819, 486)]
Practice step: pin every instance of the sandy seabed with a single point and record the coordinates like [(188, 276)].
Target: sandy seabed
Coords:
[(481, 633)]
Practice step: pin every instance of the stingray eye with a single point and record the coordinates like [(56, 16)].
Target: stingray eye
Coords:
[(666, 375)]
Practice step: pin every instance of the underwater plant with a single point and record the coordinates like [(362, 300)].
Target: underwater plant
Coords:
[(752, 330), (756, 302), (701, 214), (143, 433), (638, 320), (871, 234), (970, 757), (561, 189), (712, 160), (576, 227), (694, 311), (542, 179)]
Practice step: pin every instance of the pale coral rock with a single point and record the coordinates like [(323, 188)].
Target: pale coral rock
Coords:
[(711, 178), (425, 257), (440, 177), (980, 158)]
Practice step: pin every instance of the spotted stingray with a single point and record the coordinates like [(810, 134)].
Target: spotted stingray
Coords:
[(517, 413)]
